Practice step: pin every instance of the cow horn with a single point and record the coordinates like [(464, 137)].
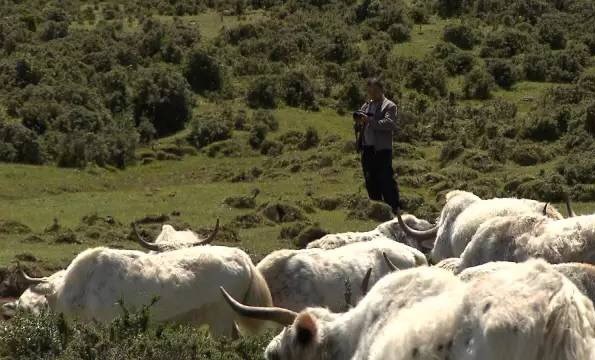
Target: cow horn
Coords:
[(419, 235), (31, 281), (366, 282), (545, 209), (571, 212), (281, 316), (389, 263), (210, 238), (142, 241)]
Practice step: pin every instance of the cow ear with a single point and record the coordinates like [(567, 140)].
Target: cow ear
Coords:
[(306, 329)]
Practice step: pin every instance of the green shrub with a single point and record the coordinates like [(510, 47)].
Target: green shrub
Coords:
[(479, 161), (478, 84), (206, 129), (590, 119), (162, 96), (545, 188), (451, 150), (262, 93), (351, 96), (551, 32), (541, 128), (459, 63), (530, 154), (19, 144), (298, 90), (266, 118), (399, 33), (258, 134), (310, 140), (505, 43), (578, 168), (503, 72), (271, 148), (427, 77), (202, 71), (462, 35)]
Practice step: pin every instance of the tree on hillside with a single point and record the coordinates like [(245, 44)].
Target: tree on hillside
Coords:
[(162, 96)]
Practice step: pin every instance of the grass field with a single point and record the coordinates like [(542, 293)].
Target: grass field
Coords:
[(36, 195)]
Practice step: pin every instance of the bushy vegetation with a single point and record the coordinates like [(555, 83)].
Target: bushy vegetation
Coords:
[(131, 336)]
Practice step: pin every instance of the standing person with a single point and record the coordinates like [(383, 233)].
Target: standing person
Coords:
[(376, 121)]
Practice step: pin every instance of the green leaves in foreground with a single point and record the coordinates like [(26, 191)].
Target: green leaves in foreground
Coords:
[(49, 336)]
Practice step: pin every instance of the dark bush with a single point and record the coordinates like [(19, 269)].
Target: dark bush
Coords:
[(427, 77), (271, 148), (479, 161), (208, 128), (51, 30), (459, 63), (451, 150), (541, 128), (262, 93), (578, 168), (461, 35), (505, 43), (530, 154), (307, 235), (351, 96), (162, 96), (478, 84), (545, 188), (298, 90), (267, 118), (202, 71), (503, 72), (399, 33), (310, 140), (551, 32), (19, 144), (258, 133), (590, 119)]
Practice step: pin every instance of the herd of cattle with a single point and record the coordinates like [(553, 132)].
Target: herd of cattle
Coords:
[(511, 279)]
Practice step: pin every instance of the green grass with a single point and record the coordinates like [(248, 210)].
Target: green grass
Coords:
[(424, 38)]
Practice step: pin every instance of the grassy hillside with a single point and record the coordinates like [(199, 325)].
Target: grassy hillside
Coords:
[(449, 138)]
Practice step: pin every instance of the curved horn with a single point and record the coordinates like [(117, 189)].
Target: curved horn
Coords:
[(545, 209), (366, 282), (210, 238), (142, 241), (571, 212), (389, 263), (31, 281), (419, 235), (281, 316)]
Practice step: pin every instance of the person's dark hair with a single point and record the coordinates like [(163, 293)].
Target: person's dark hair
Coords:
[(376, 82)]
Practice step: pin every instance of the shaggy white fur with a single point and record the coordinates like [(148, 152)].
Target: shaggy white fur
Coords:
[(185, 282), (524, 311), (464, 213), (316, 277), (518, 238), (389, 230)]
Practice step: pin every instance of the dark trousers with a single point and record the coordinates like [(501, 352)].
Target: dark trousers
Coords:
[(379, 176)]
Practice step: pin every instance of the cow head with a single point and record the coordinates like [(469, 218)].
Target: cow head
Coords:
[(167, 247), (419, 239), (303, 336)]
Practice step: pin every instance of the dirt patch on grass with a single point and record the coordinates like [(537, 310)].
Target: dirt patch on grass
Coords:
[(13, 227), (281, 212)]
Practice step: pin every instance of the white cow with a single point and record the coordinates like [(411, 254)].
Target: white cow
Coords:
[(184, 281), (172, 239), (316, 277), (518, 238), (530, 312), (582, 275), (389, 229), (462, 215)]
